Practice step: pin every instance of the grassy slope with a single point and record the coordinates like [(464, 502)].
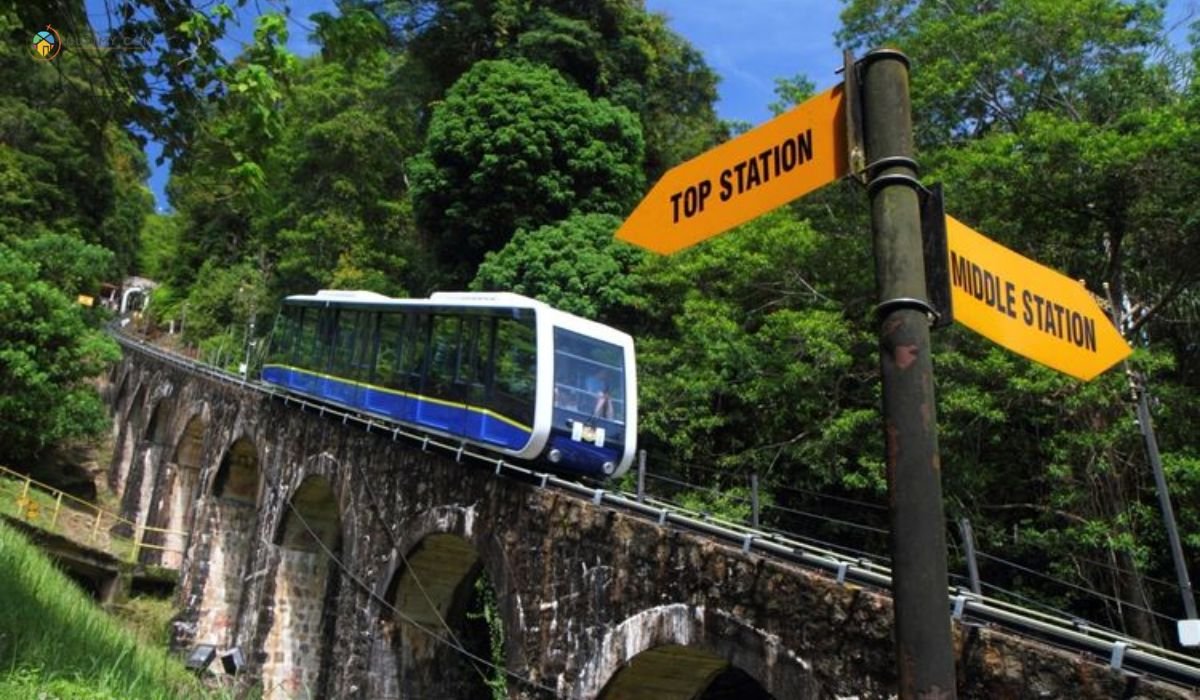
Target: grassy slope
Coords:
[(55, 642)]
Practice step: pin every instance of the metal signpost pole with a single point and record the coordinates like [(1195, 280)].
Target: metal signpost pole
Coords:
[(922, 626)]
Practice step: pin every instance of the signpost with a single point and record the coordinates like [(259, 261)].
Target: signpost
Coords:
[(1027, 307), (766, 167), (1010, 299)]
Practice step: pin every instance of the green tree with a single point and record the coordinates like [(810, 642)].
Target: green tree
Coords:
[(612, 50), (1063, 130), (575, 265), (755, 366), (343, 217), (48, 353), (66, 165), (515, 146)]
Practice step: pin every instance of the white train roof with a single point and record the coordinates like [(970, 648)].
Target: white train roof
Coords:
[(558, 317)]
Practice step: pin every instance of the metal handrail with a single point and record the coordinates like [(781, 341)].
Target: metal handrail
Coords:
[(1123, 652), (30, 511)]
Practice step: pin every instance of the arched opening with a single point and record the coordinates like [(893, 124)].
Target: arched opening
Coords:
[(124, 457), (118, 398), (442, 597), (159, 424), (176, 494), (231, 522), (677, 650), (675, 672), (236, 481), (145, 467), (306, 578)]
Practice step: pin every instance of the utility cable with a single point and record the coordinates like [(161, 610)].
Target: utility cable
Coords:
[(404, 559), (431, 633), (1098, 594), (718, 492)]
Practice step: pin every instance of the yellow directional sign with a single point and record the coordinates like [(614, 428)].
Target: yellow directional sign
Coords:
[(1027, 307), (764, 168)]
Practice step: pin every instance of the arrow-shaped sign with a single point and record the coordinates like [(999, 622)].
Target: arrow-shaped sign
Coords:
[(1027, 307), (764, 168)]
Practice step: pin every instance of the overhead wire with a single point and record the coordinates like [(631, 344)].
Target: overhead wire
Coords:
[(984, 555), (858, 526), (785, 509), (408, 566), (1068, 584), (409, 620)]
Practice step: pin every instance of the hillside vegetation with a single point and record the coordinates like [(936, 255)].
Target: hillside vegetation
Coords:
[(56, 643), (498, 144)]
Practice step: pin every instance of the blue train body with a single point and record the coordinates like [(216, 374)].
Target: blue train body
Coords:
[(496, 370)]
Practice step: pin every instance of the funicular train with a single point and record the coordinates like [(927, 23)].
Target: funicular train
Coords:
[(498, 370)]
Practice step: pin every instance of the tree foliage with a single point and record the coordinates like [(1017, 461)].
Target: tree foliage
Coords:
[(575, 265), (1062, 130), (515, 146), (72, 201), (436, 143), (48, 350), (612, 50)]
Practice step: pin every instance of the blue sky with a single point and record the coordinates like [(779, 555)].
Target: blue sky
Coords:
[(749, 43)]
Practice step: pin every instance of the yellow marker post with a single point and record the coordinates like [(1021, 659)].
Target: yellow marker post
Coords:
[(766, 167), (1027, 307)]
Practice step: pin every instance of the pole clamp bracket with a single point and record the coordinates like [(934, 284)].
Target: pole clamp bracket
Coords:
[(892, 162), (882, 181), (901, 303)]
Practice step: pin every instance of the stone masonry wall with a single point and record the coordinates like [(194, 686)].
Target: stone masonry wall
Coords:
[(581, 590), (293, 646)]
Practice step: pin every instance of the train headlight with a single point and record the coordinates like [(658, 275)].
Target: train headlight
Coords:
[(609, 468), (554, 455)]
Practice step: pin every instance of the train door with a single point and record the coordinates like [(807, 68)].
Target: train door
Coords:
[(472, 372), (309, 352), (444, 404), (509, 379), (341, 382)]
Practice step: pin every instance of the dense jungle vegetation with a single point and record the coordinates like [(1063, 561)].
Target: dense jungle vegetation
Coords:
[(497, 144)]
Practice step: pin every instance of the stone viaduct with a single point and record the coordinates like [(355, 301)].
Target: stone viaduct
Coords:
[(345, 564)]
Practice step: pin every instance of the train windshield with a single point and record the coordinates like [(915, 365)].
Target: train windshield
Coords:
[(589, 377)]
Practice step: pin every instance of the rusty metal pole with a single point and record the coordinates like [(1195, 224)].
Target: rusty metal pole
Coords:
[(924, 650)]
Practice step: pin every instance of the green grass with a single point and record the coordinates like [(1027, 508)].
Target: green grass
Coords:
[(148, 617), (56, 643)]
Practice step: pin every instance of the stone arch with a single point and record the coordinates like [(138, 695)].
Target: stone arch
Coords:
[(228, 529), (144, 469), (158, 428), (131, 423), (435, 586), (680, 651), (176, 492), (118, 396), (296, 645), (237, 477)]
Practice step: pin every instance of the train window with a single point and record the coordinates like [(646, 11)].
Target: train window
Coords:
[(322, 355), (391, 327), (474, 369), (368, 341), (306, 337), (347, 336), (514, 369), (283, 337), (412, 356), (445, 349), (589, 376)]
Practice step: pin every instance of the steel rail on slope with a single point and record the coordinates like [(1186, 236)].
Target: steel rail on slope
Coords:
[(1121, 652)]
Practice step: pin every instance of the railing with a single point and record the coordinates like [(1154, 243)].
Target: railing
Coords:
[(1122, 652), (80, 521)]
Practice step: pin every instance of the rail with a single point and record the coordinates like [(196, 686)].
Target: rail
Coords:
[(80, 521), (1121, 652)]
